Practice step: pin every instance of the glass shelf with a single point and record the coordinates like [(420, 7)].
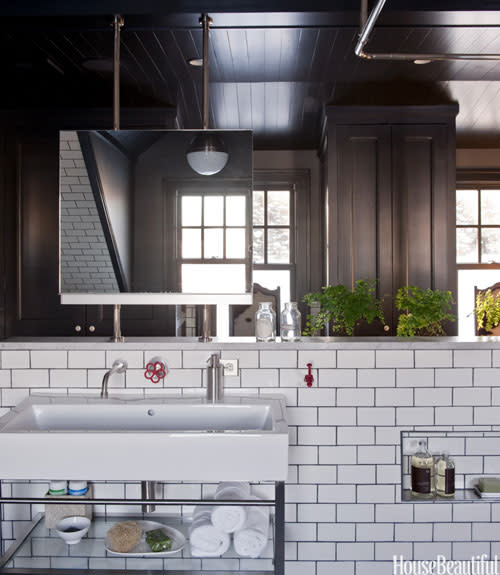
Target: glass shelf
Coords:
[(460, 495), (41, 551)]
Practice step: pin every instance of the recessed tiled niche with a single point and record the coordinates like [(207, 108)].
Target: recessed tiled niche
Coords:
[(476, 454)]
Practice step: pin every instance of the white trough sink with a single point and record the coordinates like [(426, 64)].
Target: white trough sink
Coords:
[(129, 439)]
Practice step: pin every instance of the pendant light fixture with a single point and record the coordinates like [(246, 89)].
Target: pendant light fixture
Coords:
[(206, 154)]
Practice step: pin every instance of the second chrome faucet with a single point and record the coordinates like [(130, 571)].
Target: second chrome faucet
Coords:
[(215, 379)]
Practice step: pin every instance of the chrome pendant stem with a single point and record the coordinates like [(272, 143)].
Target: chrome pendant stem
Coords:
[(117, 24)]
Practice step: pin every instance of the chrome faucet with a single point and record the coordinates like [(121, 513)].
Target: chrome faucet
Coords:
[(119, 366), (215, 379)]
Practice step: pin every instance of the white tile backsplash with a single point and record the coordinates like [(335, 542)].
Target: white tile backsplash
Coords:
[(439, 396), (393, 397), (343, 490), (486, 377), (376, 378), (49, 358), (15, 359), (134, 359), (393, 358), (337, 377), (472, 358), (278, 359), (86, 359), (415, 377), (245, 359), (68, 378), (30, 378), (453, 377), (319, 359), (355, 359), (261, 378)]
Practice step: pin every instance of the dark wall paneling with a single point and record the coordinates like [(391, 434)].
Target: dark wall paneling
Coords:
[(391, 185), (3, 235)]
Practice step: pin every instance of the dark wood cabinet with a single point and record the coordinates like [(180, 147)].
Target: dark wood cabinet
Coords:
[(29, 196), (391, 199)]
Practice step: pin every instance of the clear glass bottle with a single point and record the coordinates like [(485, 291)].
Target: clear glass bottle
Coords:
[(445, 476), (265, 322), (290, 323), (422, 472)]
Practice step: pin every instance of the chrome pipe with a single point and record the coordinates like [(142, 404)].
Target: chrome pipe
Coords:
[(205, 20), (148, 493), (206, 325), (364, 13), (93, 501), (417, 58), (117, 330), (117, 23), (364, 35)]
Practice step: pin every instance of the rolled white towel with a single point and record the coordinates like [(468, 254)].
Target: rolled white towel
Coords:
[(251, 539), (205, 539), (229, 518)]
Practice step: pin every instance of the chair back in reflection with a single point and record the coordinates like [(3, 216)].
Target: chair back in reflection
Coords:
[(242, 317)]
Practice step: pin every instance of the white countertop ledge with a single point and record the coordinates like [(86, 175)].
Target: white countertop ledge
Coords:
[(249, 343)]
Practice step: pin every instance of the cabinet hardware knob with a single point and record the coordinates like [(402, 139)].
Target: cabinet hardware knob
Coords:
[(78, 328), (91, 328)]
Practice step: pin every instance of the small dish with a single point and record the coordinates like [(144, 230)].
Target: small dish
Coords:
[(72, 529), (487, 494), (142, 549)]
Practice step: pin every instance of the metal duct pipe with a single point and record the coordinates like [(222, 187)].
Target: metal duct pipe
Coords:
[(417, 58)]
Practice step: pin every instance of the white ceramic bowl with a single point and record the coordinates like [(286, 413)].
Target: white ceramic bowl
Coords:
[(72, 529)]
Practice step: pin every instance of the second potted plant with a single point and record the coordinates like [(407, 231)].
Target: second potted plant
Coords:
[(423, 311)]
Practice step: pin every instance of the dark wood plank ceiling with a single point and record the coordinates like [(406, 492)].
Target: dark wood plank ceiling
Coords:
[(273, 76)]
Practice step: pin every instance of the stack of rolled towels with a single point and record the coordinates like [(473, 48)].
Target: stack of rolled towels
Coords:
[(212, 527)]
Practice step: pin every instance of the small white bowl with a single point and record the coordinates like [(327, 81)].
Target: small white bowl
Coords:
[(72, 529)]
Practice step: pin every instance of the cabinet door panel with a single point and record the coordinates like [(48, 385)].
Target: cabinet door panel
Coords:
[(424, 207), (362, 246), (37, 300)]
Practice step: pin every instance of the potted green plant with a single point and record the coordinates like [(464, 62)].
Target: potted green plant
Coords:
[(342, 308), (487, 312), (423, 311)]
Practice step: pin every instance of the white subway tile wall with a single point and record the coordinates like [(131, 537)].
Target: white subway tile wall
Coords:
[(343, 512)]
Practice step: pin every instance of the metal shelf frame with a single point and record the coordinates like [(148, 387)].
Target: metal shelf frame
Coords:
[(278, 523)]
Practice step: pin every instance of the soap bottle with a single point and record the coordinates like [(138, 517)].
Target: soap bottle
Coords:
[(445, 476), (422, 472)]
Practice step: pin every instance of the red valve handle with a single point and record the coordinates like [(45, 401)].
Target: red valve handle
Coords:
[(309, 378), (155, 371)]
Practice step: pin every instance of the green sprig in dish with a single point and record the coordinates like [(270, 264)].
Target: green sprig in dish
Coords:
[(158, 540)]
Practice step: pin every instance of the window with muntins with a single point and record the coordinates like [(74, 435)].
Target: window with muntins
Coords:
[(478, 245), (273, 238), (212, 242)]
